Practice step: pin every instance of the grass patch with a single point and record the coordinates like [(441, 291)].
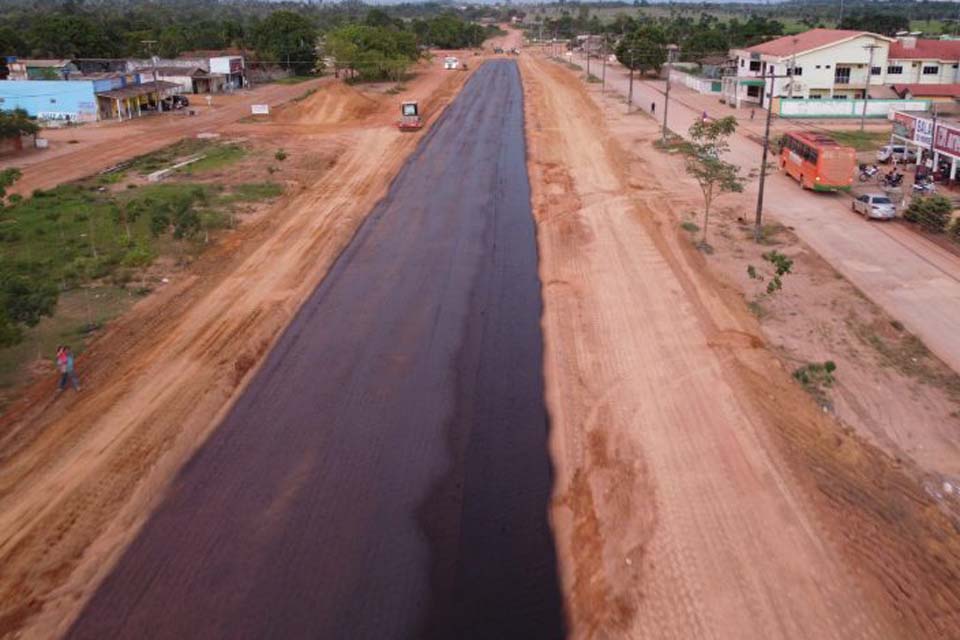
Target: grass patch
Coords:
[(592, 78), (906, 353), (216, 155), (80, 313), (574, 66), (816, 378), (392, 91), (769, 233), (303, 96), (254, 191), (862, 140), (690, 226), (293, 79)]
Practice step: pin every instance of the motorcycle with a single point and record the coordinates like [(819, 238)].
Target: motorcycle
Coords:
[(891, 181), (924, 187), (868, 172)]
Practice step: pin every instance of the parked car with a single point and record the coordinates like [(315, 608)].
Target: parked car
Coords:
[(897, 152), (876, 206)]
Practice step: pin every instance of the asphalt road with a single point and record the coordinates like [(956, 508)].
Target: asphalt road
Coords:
[(386, 473)]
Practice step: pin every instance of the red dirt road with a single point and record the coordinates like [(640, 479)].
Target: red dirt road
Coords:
[(103, 145)]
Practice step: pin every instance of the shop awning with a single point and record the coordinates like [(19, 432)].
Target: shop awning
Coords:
[(753, 82), (137, 90)]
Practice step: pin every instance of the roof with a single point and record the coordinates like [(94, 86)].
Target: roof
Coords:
[(173, 71), (43, 63), (933, 90), (135, 90), (214, 53), (815, 138), (926, 50), (808, 41)]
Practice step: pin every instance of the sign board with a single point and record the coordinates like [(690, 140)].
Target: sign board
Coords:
[(923, 132), (56, 115), (947, 140), (260, 109)]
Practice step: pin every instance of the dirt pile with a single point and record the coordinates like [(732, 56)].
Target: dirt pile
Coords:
[(330, 104)]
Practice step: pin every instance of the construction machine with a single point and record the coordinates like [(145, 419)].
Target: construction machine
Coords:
[(410, 119)]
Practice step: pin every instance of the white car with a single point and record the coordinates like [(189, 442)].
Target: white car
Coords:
[(875, 206), (897, 152), (451, 63)]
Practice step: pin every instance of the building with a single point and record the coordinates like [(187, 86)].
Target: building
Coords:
[(27, 69), (936, 140), (117, 97), (231, 68), (832, 63), (816, 64), (917, 61), (189, 79), (942, 93)]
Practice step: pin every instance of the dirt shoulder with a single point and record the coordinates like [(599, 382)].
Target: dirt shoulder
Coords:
[(700, 490), (78, 477)]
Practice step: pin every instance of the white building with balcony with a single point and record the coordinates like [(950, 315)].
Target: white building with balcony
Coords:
[(816, 64)]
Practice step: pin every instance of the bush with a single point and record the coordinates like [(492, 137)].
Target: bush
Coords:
[(931, 212), (955, 230)]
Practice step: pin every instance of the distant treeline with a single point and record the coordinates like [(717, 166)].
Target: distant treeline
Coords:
[(276, 30)]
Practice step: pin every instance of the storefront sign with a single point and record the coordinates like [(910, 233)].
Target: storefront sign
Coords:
[(947, 140), (260, 109), (923, 133)]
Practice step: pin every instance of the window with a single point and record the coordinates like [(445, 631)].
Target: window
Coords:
[(839, 96), (53, 101), (841, 75), (818, 66), (753, 92), (815, 96), (796, 71), (826, 66), (743, 63), (875, 71), (754, 65), (931, 71), (894, 70)]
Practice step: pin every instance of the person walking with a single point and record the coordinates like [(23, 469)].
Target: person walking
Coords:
[(753, 112), (653, 107), (65, 366)]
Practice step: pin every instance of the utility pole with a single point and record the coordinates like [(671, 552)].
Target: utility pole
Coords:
[(839, 22), (588, 60), (156, 85), (666, 107), (603, 66), (758, 224), (630, 90), (793, 66), (866, 92)]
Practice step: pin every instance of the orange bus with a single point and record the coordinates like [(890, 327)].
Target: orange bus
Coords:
[(817, 161)]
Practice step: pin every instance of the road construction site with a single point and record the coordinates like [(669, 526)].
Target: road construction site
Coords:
[(471, 382)]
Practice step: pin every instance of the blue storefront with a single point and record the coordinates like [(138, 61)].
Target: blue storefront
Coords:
[(73, 100)]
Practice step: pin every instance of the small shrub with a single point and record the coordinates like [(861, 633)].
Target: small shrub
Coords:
[(931, 212), (955, 230), (280, 155), (690, 226), (816, 375)]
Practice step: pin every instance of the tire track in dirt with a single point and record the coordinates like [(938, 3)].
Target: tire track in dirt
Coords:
[(79, 476), (394, 442), (732, 462)]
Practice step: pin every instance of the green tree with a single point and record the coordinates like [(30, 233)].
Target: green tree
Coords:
[(644, 49), (24, 300), (703, 156), (290, 39)]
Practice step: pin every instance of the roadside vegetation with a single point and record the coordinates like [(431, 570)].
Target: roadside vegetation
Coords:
[(74, 256)]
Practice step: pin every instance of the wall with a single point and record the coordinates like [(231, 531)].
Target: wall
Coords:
[(700, 85), (948, 72), (799, 108), (51, 99)]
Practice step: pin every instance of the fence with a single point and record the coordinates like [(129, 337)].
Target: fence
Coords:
[(827, 108), (698, 84)]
